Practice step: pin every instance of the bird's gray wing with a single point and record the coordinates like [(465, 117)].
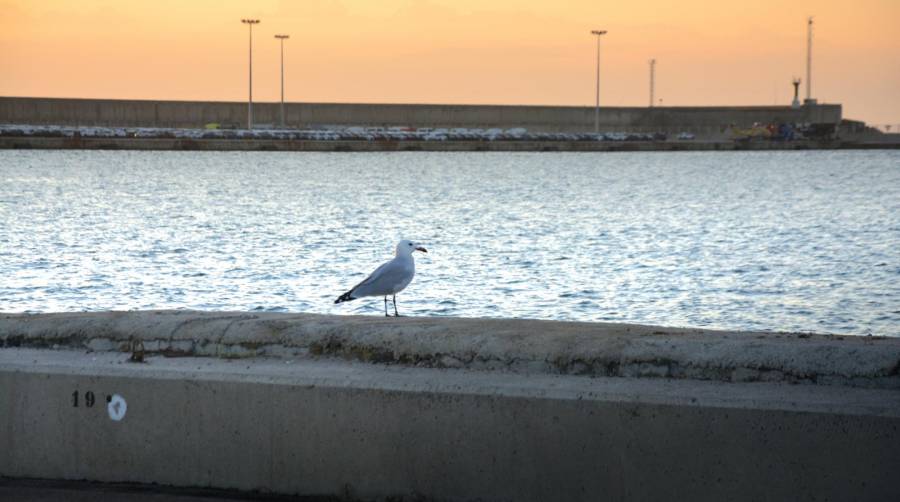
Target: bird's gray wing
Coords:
[(382, 281)]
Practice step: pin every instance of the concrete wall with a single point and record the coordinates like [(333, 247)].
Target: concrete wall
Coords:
[(368, 432), (189, 114), (449, 409), (185, 144)]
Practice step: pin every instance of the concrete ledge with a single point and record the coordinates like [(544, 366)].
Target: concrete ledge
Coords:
[(522, 346)]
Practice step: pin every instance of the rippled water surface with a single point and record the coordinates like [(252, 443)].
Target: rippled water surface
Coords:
[(746, 240)]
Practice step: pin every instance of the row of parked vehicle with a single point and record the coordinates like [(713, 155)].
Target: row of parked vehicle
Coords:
[(328, 134)]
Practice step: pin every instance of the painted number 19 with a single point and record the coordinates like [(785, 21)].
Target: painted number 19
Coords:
[(88, 399)]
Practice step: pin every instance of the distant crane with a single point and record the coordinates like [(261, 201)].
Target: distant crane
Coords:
[(652, 81)]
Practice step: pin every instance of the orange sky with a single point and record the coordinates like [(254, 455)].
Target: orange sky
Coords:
[(462, 51)]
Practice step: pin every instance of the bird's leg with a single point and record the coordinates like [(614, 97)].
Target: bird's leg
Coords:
[(385, 306), (396, 314)]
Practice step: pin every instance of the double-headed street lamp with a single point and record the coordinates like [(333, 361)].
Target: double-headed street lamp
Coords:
[(250, 23), (599, 33), (281, 39)]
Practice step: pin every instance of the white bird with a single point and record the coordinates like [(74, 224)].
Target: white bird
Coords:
[(388, 279)]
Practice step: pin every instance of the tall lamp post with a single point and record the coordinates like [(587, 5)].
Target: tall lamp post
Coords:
[(599, 33), (809, 41), (281, 39), (250, 23)]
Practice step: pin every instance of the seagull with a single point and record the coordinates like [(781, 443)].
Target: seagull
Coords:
[(388, 279)]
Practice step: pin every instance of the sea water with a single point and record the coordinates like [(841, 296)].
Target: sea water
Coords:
[(799, 241)]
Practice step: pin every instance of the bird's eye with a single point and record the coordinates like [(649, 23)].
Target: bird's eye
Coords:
[(410, 243)]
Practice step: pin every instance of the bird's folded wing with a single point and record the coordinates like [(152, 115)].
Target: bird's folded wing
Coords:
[(381, 280)]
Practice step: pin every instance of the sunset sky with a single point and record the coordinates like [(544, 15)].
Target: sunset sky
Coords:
[(463, 51)]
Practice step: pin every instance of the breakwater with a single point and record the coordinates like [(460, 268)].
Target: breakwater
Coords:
[(447, 409), (195, 114), (182, 144)]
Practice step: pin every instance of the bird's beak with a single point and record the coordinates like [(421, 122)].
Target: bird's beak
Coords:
[(420, 248)]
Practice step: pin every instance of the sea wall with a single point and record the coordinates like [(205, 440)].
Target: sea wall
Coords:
[(193, 114), (367, 408), (279, 145)]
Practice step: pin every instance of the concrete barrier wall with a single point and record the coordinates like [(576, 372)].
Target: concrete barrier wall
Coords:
[(89, 143), (191, 114), (367, 408)]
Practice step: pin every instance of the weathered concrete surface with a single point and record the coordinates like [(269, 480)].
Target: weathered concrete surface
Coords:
[(524, 346), (44, 490), (368, 432), (139, 113)]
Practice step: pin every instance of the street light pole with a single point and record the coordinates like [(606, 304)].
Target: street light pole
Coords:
[(250, 23), (599, 33), (809, 41), (281, 38)]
